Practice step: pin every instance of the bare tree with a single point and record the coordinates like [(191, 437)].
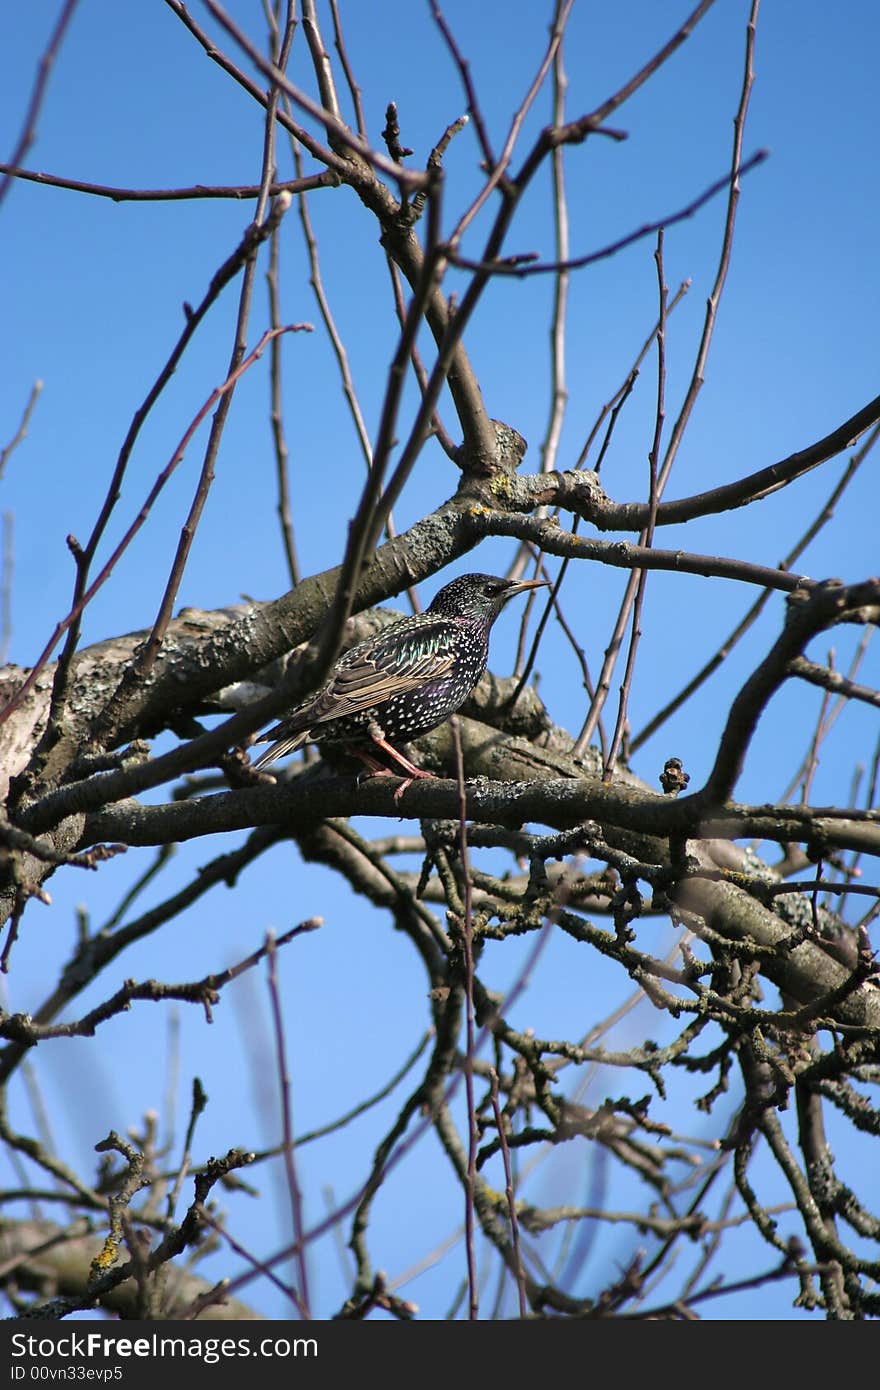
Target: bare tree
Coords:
[(737, 933)]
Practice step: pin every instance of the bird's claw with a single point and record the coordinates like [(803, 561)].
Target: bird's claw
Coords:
[(407, 782)]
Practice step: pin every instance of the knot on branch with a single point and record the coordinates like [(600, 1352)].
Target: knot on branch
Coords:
[(504, 458)]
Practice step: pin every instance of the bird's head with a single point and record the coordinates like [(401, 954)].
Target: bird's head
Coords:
[(479, 597)]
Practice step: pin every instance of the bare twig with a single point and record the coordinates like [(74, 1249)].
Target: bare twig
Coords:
[(750, 617), (647, 536), (38, 93), (85, 554), (337, 131), (522, 265), (558, 387), (510, 1194), (148, 653), (293, 1187), (21, 432), (236, 192), (353, 88), (467, 932), (276, 412), (88, 593)]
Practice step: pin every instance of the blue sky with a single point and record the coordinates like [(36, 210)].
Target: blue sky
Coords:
[(92, 293)]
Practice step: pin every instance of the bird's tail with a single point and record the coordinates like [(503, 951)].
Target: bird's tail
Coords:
[(281, 747)]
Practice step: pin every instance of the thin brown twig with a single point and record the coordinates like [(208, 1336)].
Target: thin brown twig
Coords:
[(846, 872), (738, 169), (438, 429), (236, 192), (711, 1245), (301, 1298), (827, 719), (38, 93), (21, 432), (353, 87), (337, 130), (12, 838), (467, 930), (333, 1126), (259, 1268), (42, 1122), (776, 890), (524, 668), (148, 653), (464, 71), (497, 169), (276, 409), (94, 953), (558, 387), (822, 607), (427, 1261), (321, 65), (811, 762), (276, 416), (603, 684), (266, 218), (522, 265), (824, 516), (85, 554), (510, 1194), (614, 404), (833, 680), (433, 265), (88, 594), (333, 161), (732, 181), (719, 1289), (198, 1102), (22, 1028), (317, 283), (373, 508), (667, 1248), (434, 260), (754, 487), (616, 100), (870, 800), (647, 536)]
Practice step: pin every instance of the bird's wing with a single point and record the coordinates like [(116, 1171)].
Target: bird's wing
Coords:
[(367, 675), (376, 678)]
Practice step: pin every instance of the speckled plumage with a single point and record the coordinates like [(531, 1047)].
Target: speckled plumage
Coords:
[(403, 681)]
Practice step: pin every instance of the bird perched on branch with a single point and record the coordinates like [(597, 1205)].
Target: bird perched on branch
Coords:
[(404, 680)]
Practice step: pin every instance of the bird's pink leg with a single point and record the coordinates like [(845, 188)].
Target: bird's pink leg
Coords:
[(380, 740), (375, 769), (379, 770)]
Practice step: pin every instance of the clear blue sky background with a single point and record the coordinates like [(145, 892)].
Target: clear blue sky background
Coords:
[(92, 293)]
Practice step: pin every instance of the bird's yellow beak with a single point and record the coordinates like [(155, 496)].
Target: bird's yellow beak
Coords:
[(518, 586)]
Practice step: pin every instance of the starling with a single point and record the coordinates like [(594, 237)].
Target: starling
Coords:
[(404, 680)]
